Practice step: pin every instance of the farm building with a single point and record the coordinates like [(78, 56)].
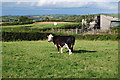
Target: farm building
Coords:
[(104, 22)]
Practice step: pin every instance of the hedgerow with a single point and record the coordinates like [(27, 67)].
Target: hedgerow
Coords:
[(15, 36)]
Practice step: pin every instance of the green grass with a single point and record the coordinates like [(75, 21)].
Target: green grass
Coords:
[(42, 26), (39, 59), (36, 25)]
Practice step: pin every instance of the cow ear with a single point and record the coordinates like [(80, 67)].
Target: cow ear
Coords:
[(47, 34)]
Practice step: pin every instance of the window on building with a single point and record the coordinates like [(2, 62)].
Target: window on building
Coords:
[(115, 23)]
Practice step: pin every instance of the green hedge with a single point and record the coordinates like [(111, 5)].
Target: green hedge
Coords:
[(15, 36), (117, 29), (19, 36), (97, 37), (71, 26), (16, 23)]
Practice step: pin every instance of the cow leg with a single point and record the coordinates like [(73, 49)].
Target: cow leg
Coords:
[(71, 48), (61, 50), (70, 51), (58, 49)]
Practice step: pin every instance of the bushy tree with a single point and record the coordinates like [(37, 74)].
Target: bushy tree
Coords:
[(24, 19), (47, 19)]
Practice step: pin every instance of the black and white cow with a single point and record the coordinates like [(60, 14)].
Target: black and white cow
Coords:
[(62, 42)]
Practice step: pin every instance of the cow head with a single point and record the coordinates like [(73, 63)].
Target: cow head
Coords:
[(50, 38)]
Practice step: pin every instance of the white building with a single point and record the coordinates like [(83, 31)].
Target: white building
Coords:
[(108, 21), (104, 22)]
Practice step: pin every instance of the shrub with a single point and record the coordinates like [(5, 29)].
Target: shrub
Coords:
[(15, 36), (16, 23), (101, 37), (117, 29), (71, 26)]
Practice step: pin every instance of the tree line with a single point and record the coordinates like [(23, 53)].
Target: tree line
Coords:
[(17, 20)]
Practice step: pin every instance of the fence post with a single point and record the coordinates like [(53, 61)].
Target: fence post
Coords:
[(72, 31), (76, 30), (52, 29)]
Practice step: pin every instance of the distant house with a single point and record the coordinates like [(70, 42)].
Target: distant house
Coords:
[(104, 22)]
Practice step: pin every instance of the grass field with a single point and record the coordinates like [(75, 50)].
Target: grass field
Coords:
[(35, 27), (39, 59)]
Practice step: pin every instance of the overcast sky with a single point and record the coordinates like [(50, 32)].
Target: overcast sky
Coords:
[(43, 7)]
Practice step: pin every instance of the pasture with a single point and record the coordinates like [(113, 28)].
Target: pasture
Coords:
[(37, 25), (39, 59)]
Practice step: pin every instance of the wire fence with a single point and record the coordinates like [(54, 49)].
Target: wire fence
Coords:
[(85, 31)]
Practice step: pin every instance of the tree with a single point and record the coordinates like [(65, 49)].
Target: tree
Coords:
[(47, 19), (24, 19), (70, 18), (90, 18), (79, 19)]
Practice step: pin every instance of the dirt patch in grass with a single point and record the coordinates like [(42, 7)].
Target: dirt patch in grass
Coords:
[(52, 22)]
